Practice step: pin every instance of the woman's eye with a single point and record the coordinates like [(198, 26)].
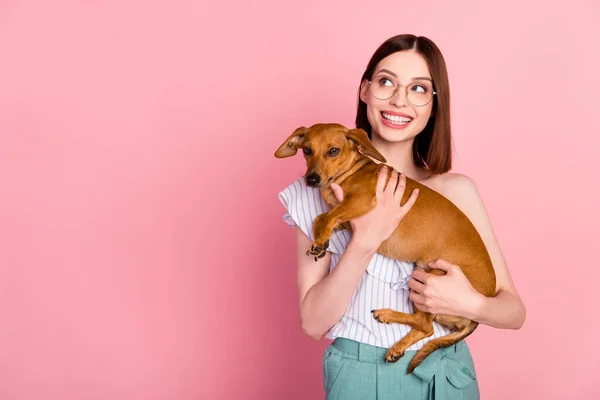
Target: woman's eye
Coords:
[(419, 88), (334, 152), (385, 82), (307, 151)]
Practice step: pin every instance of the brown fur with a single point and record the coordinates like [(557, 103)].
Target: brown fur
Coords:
[(434, 228)]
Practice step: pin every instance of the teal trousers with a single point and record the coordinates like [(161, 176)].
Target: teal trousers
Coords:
[(353, 370)]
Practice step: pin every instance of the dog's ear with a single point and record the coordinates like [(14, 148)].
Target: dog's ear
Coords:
[(291, 144), (360, 137)]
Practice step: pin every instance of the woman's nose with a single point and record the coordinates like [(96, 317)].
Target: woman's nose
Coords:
[(399, 99)]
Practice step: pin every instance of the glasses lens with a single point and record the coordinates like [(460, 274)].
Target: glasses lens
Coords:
[(383, 88), (420, 93)]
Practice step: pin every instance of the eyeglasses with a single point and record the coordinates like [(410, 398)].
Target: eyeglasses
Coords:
[(419, 94)]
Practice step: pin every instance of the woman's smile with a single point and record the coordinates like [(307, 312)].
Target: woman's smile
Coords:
[(395, 120)]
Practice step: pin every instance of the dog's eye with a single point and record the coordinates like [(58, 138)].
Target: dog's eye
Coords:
[(334, 152), (307, 151)]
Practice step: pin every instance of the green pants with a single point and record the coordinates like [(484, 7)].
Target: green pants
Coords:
[(353, 370)]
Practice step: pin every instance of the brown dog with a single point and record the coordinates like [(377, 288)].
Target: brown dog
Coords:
[(434, 227)]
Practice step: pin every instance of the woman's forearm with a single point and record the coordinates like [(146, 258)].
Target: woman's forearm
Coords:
[(503, 311), (325, 303)]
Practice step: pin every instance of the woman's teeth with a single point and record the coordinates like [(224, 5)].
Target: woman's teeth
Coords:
[(396, 119)]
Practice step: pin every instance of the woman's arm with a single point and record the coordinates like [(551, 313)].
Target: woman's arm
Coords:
[(324, 296), (504, 311), (452, 293)]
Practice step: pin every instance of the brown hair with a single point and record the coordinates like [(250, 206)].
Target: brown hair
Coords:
[(432, 148)]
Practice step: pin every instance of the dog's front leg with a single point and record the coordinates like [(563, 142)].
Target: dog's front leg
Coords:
[(321, 243), (325, 223)]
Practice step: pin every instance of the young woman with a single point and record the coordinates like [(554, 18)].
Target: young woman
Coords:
[(404, 105)]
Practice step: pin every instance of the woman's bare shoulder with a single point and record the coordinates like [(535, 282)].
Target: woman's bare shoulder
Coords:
[(448, 182), (458, 188)]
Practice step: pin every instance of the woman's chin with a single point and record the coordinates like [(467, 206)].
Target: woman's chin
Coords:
[(394, 136)]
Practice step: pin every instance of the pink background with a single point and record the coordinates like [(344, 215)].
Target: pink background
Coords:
[(142, 250)]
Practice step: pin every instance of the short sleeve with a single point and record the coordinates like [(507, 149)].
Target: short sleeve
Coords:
[(303, 204)]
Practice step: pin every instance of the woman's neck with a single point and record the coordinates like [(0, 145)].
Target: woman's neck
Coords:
[(399, 155)]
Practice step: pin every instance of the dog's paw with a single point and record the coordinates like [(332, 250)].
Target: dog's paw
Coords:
[(318, 250), (393, 355), (384, 315)]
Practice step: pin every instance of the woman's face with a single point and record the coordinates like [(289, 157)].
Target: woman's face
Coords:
[(397, 119)]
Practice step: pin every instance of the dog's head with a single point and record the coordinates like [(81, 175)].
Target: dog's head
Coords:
[(329, 150)]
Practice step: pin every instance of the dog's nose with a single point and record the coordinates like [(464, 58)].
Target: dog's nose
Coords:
[(313, 180)]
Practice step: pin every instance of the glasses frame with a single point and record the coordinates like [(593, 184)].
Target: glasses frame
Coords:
[(398, 85)]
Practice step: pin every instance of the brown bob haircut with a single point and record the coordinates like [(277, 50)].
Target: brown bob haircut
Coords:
[(432, 148)]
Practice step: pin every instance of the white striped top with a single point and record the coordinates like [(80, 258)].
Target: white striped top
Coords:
[(383, 285)]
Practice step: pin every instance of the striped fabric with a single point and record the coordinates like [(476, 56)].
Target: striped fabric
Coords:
[(383, 285)]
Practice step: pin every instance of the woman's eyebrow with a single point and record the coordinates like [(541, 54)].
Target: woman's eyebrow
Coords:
[(418, 78), (387, 71)]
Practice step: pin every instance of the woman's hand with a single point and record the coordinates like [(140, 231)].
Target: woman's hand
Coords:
[(377, 225), (450, 294)]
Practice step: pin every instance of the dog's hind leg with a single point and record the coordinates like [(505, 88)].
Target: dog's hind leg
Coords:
[(419, 320), (398, 349)]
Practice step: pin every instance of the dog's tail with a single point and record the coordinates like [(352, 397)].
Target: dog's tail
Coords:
[(444, 341)]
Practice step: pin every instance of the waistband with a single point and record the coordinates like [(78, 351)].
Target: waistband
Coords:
[(373, 354)]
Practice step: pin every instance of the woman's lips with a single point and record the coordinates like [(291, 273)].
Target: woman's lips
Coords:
[(395, 120)]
